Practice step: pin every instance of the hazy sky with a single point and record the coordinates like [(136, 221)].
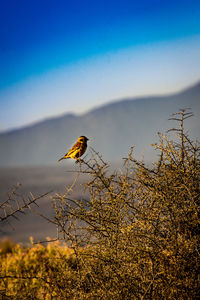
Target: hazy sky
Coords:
[(69, 56)]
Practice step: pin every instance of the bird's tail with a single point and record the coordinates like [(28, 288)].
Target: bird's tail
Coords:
[(62, 158)]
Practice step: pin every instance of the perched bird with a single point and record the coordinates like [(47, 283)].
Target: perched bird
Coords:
[(77, 150)]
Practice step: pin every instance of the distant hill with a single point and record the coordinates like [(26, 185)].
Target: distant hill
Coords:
[(112, 129)]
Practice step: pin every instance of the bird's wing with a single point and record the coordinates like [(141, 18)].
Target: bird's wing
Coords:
[(74, 150)]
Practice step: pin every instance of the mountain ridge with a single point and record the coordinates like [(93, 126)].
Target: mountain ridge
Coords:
[(112, 129), (114, 101)]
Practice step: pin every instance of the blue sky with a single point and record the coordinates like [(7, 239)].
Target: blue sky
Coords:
[(70, 56)]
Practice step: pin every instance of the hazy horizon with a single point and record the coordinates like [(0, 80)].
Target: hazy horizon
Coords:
[(55, 116)]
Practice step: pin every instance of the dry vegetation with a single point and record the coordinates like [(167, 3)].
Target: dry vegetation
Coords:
[(135, 237)]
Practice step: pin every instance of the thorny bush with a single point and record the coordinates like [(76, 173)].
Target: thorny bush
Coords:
[(136, 236)]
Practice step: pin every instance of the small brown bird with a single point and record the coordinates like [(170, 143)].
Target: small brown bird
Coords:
[(77, 150)]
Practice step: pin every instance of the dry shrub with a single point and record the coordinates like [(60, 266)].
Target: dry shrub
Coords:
[(137, 234)]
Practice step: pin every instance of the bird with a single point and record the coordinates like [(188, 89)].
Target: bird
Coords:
[(77, 150)]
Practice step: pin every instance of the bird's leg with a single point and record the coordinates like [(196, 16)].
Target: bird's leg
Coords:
[(79, 160)]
